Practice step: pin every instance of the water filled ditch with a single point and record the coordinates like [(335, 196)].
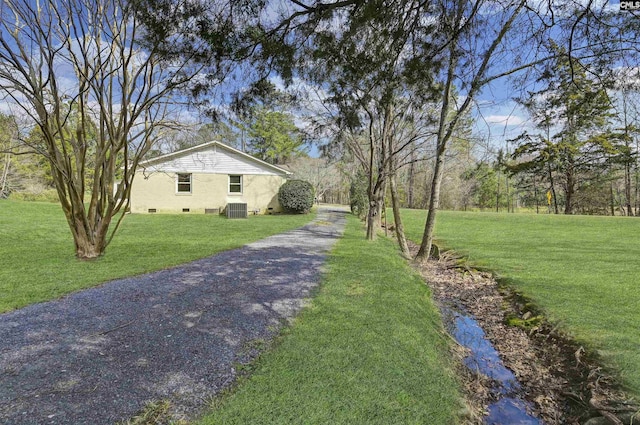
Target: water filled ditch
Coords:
[(509, 407)]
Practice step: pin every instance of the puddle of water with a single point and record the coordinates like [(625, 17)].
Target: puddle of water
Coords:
[(510, 411), (484, 358)]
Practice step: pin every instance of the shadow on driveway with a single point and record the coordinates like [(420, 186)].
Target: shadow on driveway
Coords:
[(100, 355)]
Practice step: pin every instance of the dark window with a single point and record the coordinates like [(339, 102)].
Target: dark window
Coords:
[(235, 184), (184, 183)]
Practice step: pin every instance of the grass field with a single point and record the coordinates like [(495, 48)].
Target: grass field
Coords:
[(37, 261), (369, 350), (584, 271)]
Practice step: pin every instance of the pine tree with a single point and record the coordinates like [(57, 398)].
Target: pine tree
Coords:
[(572, 113)]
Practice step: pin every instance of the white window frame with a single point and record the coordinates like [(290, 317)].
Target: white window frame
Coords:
[(235, 184), (178, 183)]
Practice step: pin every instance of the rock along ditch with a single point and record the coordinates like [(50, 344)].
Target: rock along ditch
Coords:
[(518, 368)]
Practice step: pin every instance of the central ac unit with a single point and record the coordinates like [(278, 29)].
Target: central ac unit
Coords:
[(236, 210)]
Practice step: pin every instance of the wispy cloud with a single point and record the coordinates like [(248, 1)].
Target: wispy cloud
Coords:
[(506, 120)]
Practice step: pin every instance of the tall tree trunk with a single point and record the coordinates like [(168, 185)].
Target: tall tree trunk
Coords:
[(377, 185), (434, 205), (447, 124), (535, 194), (568, 200), (89, 243), (627, 188), (402, 240), (553, 189), (4, 185), (498, 193), (612, 199), (506, 182), (376, 202), (412, 165), (636, 178), (438, 171), (371, 191), (627, 162), (569, 191), (395, 201)]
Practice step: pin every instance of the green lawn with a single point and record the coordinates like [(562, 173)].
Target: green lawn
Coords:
[(37, 261), (370, 349), (583, 271)]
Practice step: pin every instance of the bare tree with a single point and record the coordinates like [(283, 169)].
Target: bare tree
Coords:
[(8, 138), (97, 83), (4, 174), (324, 176), (626, 104), (395, 201)]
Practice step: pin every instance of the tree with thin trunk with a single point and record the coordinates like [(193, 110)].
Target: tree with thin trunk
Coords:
[(395, 201), (97, 79), (8, 138), (484, 46), (459, 23), (461, 45), (363, 65), (627, 90)]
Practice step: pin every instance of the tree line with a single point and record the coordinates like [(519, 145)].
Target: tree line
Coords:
[(100, 85)]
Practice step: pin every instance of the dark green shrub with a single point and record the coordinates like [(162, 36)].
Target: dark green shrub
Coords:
[(296, 196)]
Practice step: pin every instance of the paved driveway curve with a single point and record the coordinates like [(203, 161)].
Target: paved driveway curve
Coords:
[(98, 356)]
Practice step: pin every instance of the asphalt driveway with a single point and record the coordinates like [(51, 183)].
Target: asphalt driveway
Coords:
[(100, 355)]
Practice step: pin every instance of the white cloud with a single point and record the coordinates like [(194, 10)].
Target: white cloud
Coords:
[(7, 108), (506, 120), (627, 77)]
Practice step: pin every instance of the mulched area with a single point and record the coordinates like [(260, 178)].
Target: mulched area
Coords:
[(565, 384)]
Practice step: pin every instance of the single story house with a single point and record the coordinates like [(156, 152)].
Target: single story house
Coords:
[(206, 178)]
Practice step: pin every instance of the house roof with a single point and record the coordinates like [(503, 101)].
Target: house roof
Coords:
[(213, 145)]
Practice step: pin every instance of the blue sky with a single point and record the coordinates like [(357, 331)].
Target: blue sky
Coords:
[(499, 118), (497, 115)]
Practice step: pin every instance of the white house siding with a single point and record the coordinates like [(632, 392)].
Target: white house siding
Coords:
[(216, 160)]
